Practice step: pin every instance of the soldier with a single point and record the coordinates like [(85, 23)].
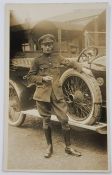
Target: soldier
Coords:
[(45, 72), (73, 50)]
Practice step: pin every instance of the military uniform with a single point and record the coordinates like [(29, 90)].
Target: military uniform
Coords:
[(50, 92), (49, 95)]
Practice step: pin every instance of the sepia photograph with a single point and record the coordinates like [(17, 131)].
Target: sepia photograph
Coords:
[(55, 105)]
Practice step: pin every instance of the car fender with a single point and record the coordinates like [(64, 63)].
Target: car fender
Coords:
[(87, 71), (22, 93)]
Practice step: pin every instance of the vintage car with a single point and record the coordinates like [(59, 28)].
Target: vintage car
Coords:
[(85, 92)]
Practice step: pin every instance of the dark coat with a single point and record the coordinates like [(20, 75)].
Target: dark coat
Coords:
[(51, 66)]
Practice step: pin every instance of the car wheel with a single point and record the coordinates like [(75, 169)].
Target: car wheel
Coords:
[(16, 118), (83, 96)]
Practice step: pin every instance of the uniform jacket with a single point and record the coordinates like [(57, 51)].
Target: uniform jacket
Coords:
[(51, 66)]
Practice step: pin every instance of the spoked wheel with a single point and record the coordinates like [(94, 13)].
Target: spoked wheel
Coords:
[(15, 116), (82, 95)]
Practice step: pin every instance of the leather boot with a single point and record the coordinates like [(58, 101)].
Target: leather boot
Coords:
[(68, 148), (49, 149)]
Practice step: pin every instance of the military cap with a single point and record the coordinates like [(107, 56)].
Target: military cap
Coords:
[(47, 38)]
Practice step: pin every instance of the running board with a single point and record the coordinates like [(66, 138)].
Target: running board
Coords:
[(98, 127)]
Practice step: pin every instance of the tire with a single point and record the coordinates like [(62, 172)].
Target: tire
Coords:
[(83, 96), (16, 118)]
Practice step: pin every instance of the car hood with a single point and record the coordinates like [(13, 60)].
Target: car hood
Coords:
[(99, 64), (101, 61)]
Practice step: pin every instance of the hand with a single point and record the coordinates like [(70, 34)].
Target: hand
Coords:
[(47, 78)]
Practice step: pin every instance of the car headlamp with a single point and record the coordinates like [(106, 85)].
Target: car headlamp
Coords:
[(100, 81)]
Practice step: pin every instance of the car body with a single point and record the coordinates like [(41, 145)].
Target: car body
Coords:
[(86, 103)]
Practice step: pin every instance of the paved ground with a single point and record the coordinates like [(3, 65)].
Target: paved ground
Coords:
[(26, 146)]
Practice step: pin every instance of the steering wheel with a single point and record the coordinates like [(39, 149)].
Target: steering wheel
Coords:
[(88, 54)]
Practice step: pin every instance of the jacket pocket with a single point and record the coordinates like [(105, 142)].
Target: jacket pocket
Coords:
[(43, 66), (43, 69)]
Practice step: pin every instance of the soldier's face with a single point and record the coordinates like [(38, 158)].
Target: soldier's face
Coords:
[(47, 48)]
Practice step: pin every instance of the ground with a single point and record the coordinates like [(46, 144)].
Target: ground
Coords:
[(26, 147)]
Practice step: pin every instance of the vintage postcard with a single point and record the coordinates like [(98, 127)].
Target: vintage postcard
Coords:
[(56, 110)]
